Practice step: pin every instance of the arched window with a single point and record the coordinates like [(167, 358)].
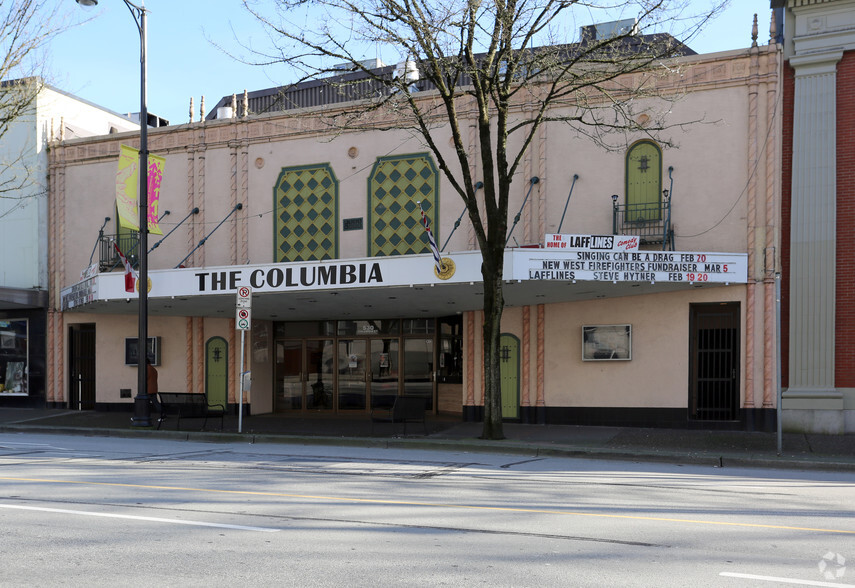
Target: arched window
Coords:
[(395, 186), (643, 182), (305, 200)]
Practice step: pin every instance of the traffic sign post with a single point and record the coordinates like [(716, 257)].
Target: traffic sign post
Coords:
[(243, 322)]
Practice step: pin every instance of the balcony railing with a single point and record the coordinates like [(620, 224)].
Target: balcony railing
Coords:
[(108, 258), (650, 221)]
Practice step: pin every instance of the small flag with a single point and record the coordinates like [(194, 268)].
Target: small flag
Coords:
[(130, 274), (431, 240)]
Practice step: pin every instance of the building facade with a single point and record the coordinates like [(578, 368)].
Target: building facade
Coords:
[(639, 285), (24, 222)]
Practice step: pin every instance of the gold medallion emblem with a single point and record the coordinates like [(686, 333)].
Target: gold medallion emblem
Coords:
[(137, 285), (447, 269)]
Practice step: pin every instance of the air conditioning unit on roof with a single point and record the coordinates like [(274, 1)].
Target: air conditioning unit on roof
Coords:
[(604, 30)]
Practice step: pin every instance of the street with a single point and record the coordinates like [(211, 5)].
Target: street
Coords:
[(108, 511)]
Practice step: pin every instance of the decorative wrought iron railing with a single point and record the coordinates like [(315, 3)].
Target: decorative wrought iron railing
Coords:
[(650, 221), (108, 257)]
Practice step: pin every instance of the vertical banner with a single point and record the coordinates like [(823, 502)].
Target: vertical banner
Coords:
[(127, 187), (155, 177)]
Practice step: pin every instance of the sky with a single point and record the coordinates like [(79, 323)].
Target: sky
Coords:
[(97, 58)]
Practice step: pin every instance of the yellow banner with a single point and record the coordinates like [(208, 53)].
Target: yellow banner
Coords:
[(127, 187)]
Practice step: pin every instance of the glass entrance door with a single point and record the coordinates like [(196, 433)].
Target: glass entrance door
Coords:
[(384, 372), (353, 365), (288, 384), (418, 369), (304, 374), (320, 365)]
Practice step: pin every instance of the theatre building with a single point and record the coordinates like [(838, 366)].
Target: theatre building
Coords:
[(639, 284)]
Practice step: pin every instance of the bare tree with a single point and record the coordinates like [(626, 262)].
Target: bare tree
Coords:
[(26, 27), (465, 59)]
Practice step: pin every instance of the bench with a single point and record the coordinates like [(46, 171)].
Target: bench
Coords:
[(405, 409), (185, 405)]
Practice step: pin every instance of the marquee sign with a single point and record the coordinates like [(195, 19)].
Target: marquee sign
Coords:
[(634, 266), (603, 261)]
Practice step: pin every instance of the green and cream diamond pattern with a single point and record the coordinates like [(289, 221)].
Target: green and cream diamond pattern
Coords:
[(305, 201), (395, 187)]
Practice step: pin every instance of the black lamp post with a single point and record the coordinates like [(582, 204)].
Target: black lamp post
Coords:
[(142, 409)]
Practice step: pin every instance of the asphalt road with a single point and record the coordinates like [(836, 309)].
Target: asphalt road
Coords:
[(78, 511)]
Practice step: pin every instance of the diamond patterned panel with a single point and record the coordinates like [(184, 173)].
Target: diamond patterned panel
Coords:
[(395, 185), (305, 200)]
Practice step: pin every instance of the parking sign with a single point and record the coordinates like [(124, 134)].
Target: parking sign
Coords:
[(244, 297)]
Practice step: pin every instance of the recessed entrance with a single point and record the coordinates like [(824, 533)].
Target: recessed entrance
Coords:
[(714, 361), (355, 366), (81, 361)]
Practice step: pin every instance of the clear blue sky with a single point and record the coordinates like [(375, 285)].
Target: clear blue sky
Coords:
[(99, 59)]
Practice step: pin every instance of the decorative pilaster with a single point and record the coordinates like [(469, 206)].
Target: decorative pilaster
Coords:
[(190, 361), (483, 387), (541, 346), (234, 364), (199, 256), (813, 227), (770, 334), (199, 352), (525, 376), (470, 359)]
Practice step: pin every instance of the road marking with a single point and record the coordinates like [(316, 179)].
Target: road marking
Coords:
[(432, 505), (138, 518), (785, 580)]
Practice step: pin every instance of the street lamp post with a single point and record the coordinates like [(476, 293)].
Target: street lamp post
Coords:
[(142, 409)]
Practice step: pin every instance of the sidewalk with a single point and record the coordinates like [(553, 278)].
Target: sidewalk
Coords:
[(713, 448)]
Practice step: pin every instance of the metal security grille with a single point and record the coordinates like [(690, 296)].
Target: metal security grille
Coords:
[(306, 204), (395, 187), (714, 362)]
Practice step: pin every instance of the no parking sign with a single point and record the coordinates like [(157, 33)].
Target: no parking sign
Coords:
[(243, 316)]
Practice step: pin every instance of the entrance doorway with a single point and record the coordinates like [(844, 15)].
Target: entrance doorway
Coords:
[(81, 366), (354, 365), (304, 374), (714, 361), (509, 369), (217, 371)]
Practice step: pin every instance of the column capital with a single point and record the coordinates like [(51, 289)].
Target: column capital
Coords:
[(816, 63)]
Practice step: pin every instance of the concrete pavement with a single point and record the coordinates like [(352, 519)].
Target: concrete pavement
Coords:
[(713, 448)]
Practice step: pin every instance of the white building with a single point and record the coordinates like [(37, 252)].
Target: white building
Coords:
[(24, 243)]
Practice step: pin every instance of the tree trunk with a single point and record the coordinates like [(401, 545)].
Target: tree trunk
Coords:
[(494, 304)]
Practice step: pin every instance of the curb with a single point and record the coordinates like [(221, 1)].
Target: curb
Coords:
[(710, 459)]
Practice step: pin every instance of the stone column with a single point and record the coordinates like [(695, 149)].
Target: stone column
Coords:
[(813, 227)]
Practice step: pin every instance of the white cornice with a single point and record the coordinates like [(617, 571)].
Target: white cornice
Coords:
[(816, 63)]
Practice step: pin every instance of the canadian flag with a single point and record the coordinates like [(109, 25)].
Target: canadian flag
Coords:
[(130, 274)]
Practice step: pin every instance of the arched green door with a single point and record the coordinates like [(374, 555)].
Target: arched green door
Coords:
[(643, 182), (509, 366), (217, 371)]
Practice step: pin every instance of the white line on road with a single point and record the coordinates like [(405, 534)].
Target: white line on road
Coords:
[(786, 580), (137, 518)]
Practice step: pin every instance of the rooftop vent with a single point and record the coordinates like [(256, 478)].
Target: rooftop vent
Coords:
[(366, 63), (604, 30)]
